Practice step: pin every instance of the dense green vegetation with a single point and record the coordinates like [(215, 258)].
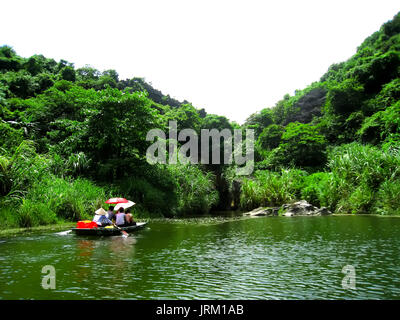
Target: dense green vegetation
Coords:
[(337, 142), (71, 137)]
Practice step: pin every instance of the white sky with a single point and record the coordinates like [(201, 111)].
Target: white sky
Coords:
[(232, 58)]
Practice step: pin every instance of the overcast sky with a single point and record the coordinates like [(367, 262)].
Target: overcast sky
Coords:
[(232, 58)]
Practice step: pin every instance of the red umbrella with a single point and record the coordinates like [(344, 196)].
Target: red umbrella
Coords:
[(116, 200)]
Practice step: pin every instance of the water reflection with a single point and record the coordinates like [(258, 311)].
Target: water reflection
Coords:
[(123, 247), (263, 258), (85, 248)]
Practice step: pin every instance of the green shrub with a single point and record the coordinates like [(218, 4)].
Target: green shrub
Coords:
[(362, 178), (19, 170), (301, 145), (11, 138), (69, 199), (147, 196), (360, 201), (174, 190), (8, 217), (270, 137), (315, 188), (381, 125), (392, 144), (345, 97), (33, 213), (363, 164), (271, 188), (388, 198), (195, 190)]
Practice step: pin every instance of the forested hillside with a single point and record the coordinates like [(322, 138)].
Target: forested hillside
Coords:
[(340, 136), (71, 137)]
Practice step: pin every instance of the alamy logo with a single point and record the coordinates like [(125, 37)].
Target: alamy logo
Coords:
[(349, 281), (49, 280), (210, 145)]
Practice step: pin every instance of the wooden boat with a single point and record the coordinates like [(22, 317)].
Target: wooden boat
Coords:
[(107, 231)]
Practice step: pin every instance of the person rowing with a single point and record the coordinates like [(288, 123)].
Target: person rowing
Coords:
[(101, 219)]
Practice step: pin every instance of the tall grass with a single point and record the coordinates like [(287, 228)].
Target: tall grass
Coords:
[(69, 199), (150, 198), (388, 198), (363, 179), (32, 195), (195, 189), (358, 164), (32, 213), (271, 188), (359, 179), (8, 217), (19, 170), (52, 200), (367, 178), (318, 189), (38, 189), (170, 190)]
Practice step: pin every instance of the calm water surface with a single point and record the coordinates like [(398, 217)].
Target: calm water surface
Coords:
[(252, 258)]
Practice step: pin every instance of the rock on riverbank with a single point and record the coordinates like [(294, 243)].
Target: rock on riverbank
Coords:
[(267, 211), (299, 208), (303, 208)]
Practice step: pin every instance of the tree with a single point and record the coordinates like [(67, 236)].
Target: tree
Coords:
[(116, 132), (345, 97), (302, 145), (260, 120), (68, 73), (112, 74), (187, 117), (21, 84), (270, 137)]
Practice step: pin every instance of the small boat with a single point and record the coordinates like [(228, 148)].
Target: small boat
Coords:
[(107, 231)]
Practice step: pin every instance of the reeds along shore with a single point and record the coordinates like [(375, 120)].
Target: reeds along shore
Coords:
[(359, 179)]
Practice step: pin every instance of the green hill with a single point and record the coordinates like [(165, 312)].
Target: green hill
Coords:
[(71, 137), (343, 130)]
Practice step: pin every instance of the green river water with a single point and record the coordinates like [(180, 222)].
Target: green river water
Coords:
[(249, 258)]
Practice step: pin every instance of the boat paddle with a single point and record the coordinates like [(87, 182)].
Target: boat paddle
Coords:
[(124, 233)]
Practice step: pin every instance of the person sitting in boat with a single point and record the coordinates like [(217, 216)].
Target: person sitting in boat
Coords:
[(129, 218), (110, 213), (101, 219), (120, 218)]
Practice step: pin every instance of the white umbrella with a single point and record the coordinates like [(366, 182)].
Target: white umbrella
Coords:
[(124, 205)]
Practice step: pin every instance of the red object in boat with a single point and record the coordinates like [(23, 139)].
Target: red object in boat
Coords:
[(117, 200), (86, 224)]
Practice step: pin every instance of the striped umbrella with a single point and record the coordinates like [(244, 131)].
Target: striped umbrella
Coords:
[(116, 200)]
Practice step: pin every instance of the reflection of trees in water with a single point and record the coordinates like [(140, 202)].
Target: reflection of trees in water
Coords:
[(104, 258), (123, 246), (121, 249), (86, 248)]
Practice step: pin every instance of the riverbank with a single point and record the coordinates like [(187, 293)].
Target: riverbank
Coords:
[(199, 220), (47, 228), (68, 225)]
